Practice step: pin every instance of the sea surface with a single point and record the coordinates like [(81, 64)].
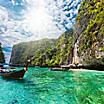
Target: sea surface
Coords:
[(42, 86)]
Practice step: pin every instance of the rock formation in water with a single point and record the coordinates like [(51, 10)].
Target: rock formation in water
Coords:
[(88, 33), (45, 52), (23, 51), (59, 54), (2, 59)]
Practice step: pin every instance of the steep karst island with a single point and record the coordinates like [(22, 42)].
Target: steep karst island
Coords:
[(52, 51)]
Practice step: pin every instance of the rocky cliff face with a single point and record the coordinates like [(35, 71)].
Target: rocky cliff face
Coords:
[(90, 22), (2, 59), (23, 51), (60, 54), (88, 33), (44, 52)]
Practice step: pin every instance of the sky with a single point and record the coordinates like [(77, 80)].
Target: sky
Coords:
[(29, 20)]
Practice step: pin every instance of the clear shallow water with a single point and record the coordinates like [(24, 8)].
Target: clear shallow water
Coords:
[(41, 86)]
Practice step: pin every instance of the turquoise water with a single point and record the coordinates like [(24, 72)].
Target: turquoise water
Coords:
[(41, 86)]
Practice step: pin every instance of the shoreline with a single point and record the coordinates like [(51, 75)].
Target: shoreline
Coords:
[(68, 67), (85, 70)]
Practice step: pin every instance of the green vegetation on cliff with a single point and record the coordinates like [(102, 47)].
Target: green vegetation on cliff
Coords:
[(88, 33), (60, 54), (91, 23), (23, 51), (2, 60), (44, 52)]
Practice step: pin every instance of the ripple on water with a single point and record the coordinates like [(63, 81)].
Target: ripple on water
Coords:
[(41, 86)]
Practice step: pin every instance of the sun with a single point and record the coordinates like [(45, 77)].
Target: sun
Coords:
[(37, 20)]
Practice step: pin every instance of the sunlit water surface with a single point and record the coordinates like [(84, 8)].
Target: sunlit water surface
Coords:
[(42, 86)]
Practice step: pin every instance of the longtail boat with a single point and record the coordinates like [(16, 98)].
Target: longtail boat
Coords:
[(15, 74)]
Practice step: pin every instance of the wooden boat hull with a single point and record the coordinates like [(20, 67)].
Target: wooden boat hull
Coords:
[(15, 74)]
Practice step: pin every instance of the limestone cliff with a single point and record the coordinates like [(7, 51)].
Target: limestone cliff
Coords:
[(23, 51), (90, 26)]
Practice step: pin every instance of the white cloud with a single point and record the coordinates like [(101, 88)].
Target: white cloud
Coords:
[(3, 15), (43, 19)]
